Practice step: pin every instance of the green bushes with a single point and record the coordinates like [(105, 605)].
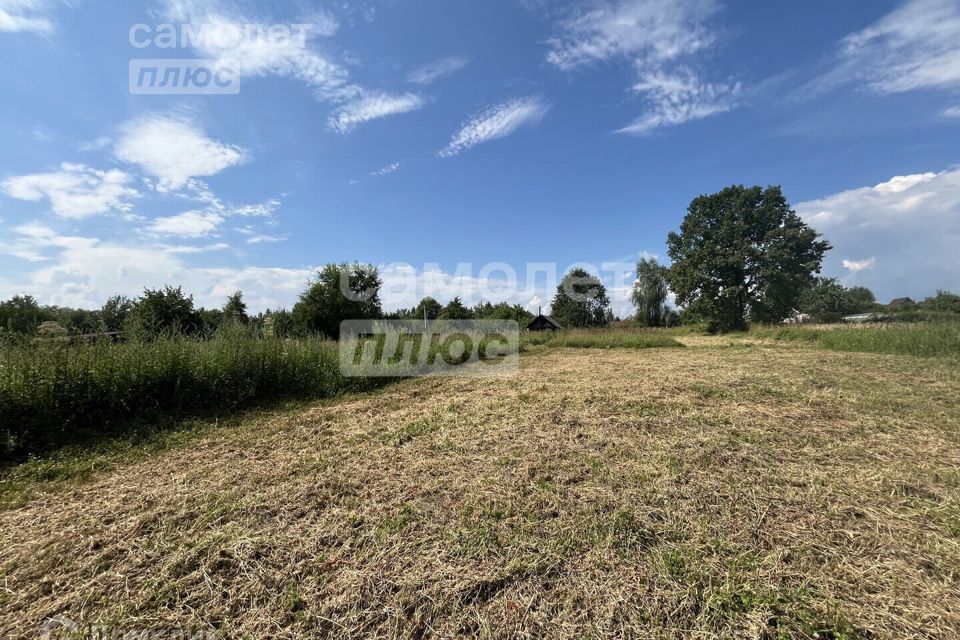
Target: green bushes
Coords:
[(52, 394), (924, 339)]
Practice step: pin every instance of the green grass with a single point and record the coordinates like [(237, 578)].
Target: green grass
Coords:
[(601, 339), (57, 394), (922, 339)]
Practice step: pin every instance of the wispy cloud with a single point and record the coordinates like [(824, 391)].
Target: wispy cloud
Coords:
[(174, 149), (289, 57), (390, 168), (372, 107), (917, 46), (430, 73), (662, 38), (496, 122), (75, 191), (951, 112), (27, 15), (653, 30), (679, 97)]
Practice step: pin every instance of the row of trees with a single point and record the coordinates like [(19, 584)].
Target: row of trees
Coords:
[(741, 255)]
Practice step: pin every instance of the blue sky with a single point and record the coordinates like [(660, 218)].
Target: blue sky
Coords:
[(435, 138)]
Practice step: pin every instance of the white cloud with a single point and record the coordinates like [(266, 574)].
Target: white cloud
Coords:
[(174, 150), (191, 249), (909, 225), (859, 265), (679, 97), (430, 73), (26, 15), (75, 191), (372, 107), (263, 209), (660, 37), (231, 47), (917, 46), (951, 112), (390, 168), (496, 122), (84, 272), (655, 31), (190, 224)]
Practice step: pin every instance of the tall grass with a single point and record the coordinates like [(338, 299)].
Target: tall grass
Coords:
[(601, 339), (56, 394), (922, 339)]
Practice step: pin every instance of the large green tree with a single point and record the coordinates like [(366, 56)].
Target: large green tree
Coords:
[(340, 292), (742, 255), (166, 311), (650, 293), (581, 301)]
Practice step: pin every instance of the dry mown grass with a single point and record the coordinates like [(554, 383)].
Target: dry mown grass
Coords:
[(705, 492)]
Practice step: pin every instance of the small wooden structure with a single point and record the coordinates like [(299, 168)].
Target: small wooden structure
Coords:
[(543, 323)]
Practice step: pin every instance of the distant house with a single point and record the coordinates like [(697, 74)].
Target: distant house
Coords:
[(899, 302), (543, 323), (798, 318)]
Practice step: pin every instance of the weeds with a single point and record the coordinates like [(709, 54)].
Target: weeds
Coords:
[(57, 394), (924, 339)]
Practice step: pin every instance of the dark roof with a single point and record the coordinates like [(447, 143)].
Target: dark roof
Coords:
[(897, 301), (541, 320)]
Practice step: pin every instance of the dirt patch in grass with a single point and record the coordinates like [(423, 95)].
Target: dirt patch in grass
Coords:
[(712, 491)]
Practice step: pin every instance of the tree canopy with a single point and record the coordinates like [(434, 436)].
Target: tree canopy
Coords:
[(581, 301), (742, 255), (650, 293), (340, 292)]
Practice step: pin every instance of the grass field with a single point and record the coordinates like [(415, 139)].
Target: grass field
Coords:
[(732, 488), (928, 339)]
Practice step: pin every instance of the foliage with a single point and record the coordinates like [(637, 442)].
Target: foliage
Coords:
[(502, 311), (943, 301), (53, 393), (428, 306), (163, 312), (742, 254), (455, 311), (650, 293), (235, 309), (581, 301), (21, 314), (829, 301), (340, 292), (114, 313)]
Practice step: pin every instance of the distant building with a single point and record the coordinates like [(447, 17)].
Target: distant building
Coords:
[(861, 318), (899, 302), (543, 323), (798, 318)]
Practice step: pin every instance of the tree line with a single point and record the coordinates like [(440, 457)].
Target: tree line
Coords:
[(741, 255)]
